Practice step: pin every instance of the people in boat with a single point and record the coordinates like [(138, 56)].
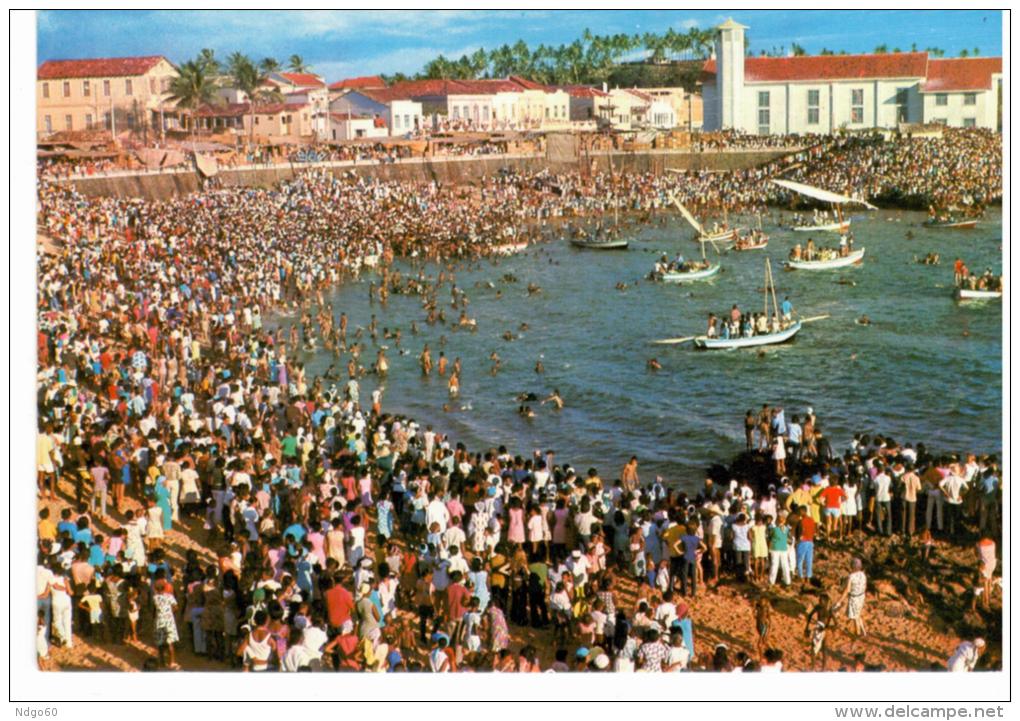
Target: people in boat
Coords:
[(796, 253), (809, 250)]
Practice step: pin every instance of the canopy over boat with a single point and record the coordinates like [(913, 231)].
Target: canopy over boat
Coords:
[(819, 194)]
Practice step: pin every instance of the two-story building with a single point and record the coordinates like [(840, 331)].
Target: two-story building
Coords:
[(287, 122), (115, 94), (399, 115), (826, 93)]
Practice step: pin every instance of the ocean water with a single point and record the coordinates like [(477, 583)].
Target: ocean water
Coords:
[(927, 369)]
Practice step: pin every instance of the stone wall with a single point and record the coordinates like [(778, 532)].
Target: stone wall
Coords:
[(161, 186)]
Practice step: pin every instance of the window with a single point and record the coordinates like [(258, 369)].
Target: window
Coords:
[(48, 123), (88, 121), (813, 112), (764, 124), (407, 121), (970, 98), (86, 89), (67, 89), (969, 123), (941, 99), (902, 101), (396, 122), (106, 88), (763, 99), (107, 121), (128, 87), (68, 125), (46, 90), (485, 113), (547, 113), (857, 105), (456, 113)]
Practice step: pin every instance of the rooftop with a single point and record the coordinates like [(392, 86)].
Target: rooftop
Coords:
[(367, 81), (831, 67), (98, 67), (957, 74)]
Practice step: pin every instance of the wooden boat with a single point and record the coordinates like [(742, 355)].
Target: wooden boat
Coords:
[(838, 227), (691, 275), (851, 258), (968, 294), (952, 224), (783, 336), (842, 225), (757, 246), (729, 235), (703, 342), (594, 244)]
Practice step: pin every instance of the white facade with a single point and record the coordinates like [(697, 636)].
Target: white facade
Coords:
[(400, 116), (661, 115), (972, 108), (350, 127), (875, 93)]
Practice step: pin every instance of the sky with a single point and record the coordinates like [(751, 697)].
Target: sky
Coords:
[(338, 44)]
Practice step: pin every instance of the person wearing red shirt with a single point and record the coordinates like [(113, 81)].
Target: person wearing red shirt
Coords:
[(805, 530), (457, 598), (833, 497), (339, 605)]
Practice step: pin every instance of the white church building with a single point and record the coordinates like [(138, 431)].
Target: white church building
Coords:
[(824, 93)]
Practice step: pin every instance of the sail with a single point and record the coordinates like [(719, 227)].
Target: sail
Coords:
[(687, 214), (819, 194)]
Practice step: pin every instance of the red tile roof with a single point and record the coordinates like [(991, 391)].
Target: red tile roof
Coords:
[(831, 67), (383, 95), (945, 75), (581, 91), (349, 116), (98, 67), (368, 81), (303, 80)]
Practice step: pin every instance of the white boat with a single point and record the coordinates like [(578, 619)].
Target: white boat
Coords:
[(613, 244), (509, 248), (967, 294), (969, 224), (839, 262), (691, 275), (839, 227), (783, 336)]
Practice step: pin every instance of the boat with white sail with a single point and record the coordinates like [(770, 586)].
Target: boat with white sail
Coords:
[(724, 235), (821, 223)]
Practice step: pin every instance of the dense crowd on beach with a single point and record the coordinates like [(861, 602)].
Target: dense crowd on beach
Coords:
[(337, 536)]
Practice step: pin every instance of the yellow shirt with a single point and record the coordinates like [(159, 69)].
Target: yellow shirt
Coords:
[(47, 530)]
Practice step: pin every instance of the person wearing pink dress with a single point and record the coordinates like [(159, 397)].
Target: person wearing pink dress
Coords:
[(515, 526)]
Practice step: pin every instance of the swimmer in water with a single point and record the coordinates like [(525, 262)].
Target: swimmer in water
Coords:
[(526, 397), (539, 368), (555, 398), (654, 365), (496, 363), (864, 320), (508, 336)]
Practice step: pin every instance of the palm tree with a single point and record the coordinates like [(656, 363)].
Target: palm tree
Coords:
[(192, 88), (296, 64), (249, 79), (207, 57), (797, 49), (269, 65)]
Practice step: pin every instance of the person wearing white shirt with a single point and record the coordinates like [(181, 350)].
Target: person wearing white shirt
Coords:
[(883, 499), (437, 512), (952, 487)]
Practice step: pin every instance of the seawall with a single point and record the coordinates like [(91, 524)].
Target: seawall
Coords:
[(448, 171)]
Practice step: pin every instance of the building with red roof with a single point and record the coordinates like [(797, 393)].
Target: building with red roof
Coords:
[(826, 93), (287, 121), (360, 83), (115, 94)]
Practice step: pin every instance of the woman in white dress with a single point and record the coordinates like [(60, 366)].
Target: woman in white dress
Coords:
[(854, 596), (779, 455), (848, 508), (60, 593)]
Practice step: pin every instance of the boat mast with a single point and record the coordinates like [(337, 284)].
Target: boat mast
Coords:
[(771, 285)]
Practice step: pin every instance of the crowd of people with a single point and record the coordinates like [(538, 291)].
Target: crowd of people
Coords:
[(961, 167), (741, 324), (964, 277), (810, 252), (330, 534)]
